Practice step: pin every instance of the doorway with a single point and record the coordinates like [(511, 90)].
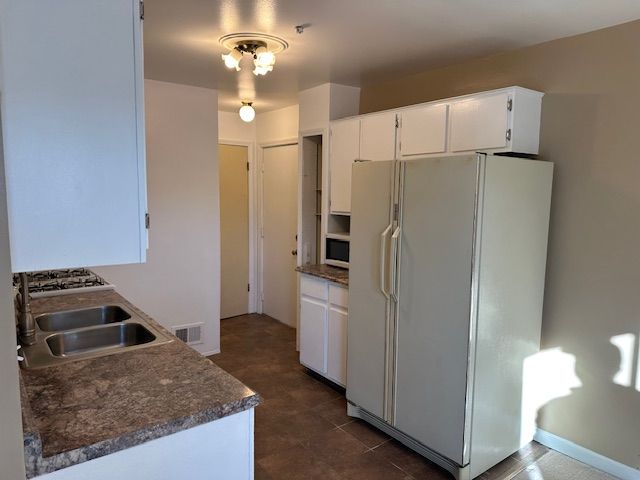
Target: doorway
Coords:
[(234, 230), (279, 230)]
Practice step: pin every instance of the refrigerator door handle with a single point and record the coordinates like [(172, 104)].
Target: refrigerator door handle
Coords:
[(394, 263), (383, 263)]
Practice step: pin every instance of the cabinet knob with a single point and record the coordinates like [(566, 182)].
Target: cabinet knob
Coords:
[(294, 252)]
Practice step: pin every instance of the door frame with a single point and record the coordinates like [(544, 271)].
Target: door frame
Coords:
[(253, 303), (260, 211)]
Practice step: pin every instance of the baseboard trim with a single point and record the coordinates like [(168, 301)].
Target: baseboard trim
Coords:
[(586, 456)]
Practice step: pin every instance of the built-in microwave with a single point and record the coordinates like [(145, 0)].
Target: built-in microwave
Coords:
[(337, 250)]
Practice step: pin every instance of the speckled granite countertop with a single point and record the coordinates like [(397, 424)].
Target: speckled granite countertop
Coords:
[(333, 274), (86, 409)]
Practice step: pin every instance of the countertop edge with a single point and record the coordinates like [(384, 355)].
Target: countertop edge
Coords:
[(44, 465), (326, 272)]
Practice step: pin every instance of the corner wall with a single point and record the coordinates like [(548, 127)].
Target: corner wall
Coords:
[(11, 439), (180, 283), (590, 124)]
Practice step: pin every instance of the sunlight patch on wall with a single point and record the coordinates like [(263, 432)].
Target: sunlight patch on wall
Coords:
[(547, 375), (627, 345)]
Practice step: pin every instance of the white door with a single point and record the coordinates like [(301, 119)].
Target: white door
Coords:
[(344, 150), (313, 334), (279, 223), (378, 137), (423, 130), (234, 230), (479, 123)]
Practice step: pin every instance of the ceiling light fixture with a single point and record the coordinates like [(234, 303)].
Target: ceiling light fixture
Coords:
[(263, 48), (247, 113), (232, 59)]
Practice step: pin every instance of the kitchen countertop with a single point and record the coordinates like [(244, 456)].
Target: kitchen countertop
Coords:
[(90, 408), (333, 274)]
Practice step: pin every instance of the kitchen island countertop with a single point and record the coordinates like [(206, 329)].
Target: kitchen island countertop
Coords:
[(89, 408)]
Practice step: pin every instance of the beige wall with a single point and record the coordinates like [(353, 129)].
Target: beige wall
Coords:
[(591, 130), (277, 125), (180, 283)]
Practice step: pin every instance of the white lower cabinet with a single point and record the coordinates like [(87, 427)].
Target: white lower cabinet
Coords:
[(323, 328), (337, 345), (313, 334)]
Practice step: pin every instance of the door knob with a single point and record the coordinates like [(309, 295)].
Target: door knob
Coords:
[(294, 252)]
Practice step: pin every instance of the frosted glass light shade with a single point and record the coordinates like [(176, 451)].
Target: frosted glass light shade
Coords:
[(232, 59), (247, 113)]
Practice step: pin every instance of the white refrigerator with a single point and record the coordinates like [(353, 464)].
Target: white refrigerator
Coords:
[(447, 269)]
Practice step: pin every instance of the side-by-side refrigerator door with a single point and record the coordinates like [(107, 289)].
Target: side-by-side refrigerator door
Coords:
[(438, 205), (372, 188)]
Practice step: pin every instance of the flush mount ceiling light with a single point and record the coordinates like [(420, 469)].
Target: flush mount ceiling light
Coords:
[(247, 113), (263, 48)]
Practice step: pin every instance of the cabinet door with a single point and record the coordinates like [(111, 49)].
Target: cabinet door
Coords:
[(344, 150), (480, 123), (424, 130), (337, 345), (313, 334), (72, 115), (378, 137)]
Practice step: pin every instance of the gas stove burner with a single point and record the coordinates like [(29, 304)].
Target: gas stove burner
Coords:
[(69, 280), (70, 272), (39, 276), (49, 286)]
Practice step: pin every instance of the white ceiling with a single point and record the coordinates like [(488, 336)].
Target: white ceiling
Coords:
[(353, 42)]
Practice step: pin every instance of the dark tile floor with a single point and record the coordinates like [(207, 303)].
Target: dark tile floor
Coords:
[(302, 430)]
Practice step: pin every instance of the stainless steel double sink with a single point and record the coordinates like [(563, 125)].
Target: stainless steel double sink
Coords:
[(69, 335)]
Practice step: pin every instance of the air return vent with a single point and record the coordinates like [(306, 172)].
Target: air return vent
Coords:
[(189, 334)]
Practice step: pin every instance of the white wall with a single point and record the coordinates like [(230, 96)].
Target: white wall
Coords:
[(180, 283), (277, 125), (11, 446), (232, 128)]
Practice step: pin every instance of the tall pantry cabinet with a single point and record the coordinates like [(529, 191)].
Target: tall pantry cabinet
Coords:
[(73, 132)]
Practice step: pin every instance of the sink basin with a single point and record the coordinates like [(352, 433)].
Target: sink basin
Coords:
[(93, 339), (85, 317), (87, 333)]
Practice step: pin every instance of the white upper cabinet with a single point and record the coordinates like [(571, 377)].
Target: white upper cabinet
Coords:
[(480, 123), (344, 150), (506, 120), (378, 136), (423, 130), (73, 128), (498, 121)]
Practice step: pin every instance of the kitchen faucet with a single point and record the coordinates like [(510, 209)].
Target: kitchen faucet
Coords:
[(26, 324)]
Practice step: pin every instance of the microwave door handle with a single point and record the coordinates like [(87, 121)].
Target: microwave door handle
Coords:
[(394, 263), (383, 263)]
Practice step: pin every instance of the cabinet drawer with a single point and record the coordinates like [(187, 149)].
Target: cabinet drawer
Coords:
[(313, 287), (339, 296)]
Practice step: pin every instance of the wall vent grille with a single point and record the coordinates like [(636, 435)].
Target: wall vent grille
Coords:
[(189, 334)]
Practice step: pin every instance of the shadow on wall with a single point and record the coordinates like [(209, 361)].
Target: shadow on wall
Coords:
[(585, 383)]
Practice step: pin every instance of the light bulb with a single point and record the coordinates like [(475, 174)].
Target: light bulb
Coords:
[(232, 59), (264, 58), (247, 113), (262, 70)]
